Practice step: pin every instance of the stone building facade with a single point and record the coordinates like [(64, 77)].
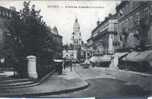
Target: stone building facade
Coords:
[(131, 15), (54, 35), (90, 47), (132, 27), (102, 39)]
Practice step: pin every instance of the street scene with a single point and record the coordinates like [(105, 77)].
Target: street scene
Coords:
[(76, 49)]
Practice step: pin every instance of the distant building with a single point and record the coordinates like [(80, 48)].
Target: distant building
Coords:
[(73, 50), (90, 47), (54, 35), (76, 35), (85, 52), (103, 38), (77, 50), (70, 54)]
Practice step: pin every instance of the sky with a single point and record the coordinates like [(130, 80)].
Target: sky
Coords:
[(62, 14)]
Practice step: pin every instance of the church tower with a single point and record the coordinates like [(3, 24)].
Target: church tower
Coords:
[(76, 35)]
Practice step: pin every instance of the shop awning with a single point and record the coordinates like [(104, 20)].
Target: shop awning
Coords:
[(121, 54), (138, 56)]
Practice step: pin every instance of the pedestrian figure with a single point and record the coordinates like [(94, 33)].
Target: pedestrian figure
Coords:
[(63, 64), (70, 63), (58, 68)]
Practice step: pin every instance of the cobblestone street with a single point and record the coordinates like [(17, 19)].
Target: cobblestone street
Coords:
[(102, 84)]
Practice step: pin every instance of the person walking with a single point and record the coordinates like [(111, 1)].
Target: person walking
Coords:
[(70, 63), (63, 64)]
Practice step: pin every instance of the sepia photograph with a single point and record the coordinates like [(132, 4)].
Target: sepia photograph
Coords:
[(77, 49)]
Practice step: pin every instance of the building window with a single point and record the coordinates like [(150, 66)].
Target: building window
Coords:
[(137, 18), (2, 13), (150, 10), (7, 13), (146, 12), (10, 15)]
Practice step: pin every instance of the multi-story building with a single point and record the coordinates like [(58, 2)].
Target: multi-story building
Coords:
[(70, 54), (76, 35), (75, 47), (86, 52), (90, 47), (102, 39), (54, 35), (134, 23)]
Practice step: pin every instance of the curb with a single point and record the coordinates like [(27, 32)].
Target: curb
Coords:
[(59, 92), (50, 93), (38, 82), (62, 91), (138, 82), (138, 73), (35, 83), (133, 72)]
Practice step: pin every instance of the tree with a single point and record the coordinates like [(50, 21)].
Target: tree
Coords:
[(28, 35), (12, 44), (34, 31)]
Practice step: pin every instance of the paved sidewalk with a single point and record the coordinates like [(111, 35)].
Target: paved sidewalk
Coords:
[(68, 81)]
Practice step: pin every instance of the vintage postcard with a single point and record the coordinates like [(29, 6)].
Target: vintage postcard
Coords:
[(76, 48)]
